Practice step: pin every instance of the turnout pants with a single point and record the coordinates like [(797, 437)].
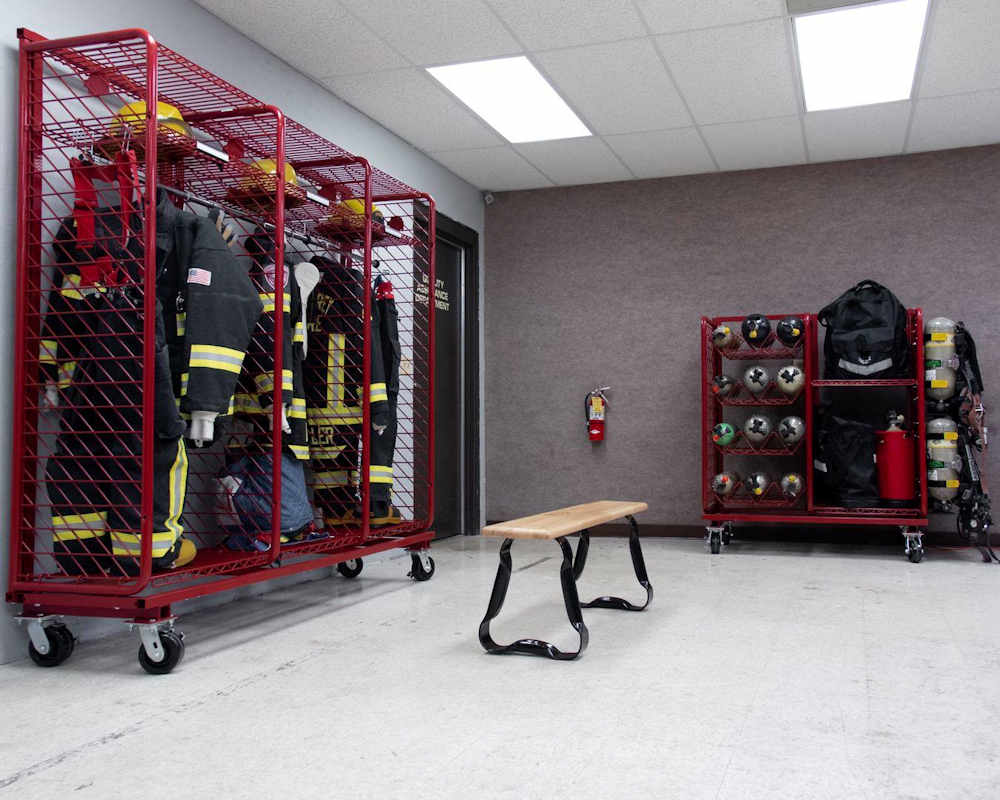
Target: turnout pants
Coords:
[(334, 449), (97, 508)]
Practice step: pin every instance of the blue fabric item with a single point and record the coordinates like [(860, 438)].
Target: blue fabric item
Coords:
[(253, 499)]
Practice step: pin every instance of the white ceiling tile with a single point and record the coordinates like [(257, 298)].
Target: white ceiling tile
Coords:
[(865, 132), (741, 72), (413, 105), (493, 168), (751, 145), (620, 87), (573, 161), (963, 48), (434, 32), (545, 24), (667, 16), (317, 37), (963, 120), (657, 154)]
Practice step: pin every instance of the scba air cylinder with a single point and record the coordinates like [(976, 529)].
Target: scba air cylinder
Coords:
[(939, 343), (942, 483), (942, 444)]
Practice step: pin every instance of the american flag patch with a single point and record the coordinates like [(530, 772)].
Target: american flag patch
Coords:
[(202, 276)]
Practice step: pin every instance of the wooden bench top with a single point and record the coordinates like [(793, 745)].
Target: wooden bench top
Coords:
[(564, 521)]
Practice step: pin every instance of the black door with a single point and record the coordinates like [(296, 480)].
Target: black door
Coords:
[(449, 409)]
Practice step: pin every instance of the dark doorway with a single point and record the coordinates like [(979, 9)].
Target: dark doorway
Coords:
[(456, 380)]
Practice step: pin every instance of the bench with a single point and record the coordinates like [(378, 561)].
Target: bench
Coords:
[(557, 525)]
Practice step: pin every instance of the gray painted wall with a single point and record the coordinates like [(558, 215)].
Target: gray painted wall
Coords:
[(605, 284), (191, 30)]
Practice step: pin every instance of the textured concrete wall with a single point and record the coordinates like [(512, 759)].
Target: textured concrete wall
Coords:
[(605, 284)]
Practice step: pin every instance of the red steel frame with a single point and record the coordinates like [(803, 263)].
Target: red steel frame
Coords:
[(222, 111), (804, 510)]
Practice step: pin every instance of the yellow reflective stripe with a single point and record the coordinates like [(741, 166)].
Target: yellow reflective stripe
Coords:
[(378, 393), (247, 404), (300, 332), (178, 489), (232, 406), (181, 323), (130, 544), (47, 350), (378, 474), (79, 526), (212, 357), (71, 287), (298, 409), (267, 298), (331, 480), (300, 451), (65, 374), (265, 382), (185, 376), (326, 451), (336, 411)]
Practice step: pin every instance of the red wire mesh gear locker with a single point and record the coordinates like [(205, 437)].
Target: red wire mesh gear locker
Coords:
[(119, 135), (771, 506)]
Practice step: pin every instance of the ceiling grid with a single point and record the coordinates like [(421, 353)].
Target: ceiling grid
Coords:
[(667, 88)]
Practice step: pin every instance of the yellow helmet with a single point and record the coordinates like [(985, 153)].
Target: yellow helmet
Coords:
[(269, 167), (133, 115), (354, 208)]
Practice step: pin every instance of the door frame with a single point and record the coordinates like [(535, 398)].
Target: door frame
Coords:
[(467, 239)]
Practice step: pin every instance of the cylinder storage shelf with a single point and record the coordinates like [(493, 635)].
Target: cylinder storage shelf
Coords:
[(772, 456), (160, 209)]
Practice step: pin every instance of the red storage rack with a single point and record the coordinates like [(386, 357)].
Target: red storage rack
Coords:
[(70, 91), (772, 508)]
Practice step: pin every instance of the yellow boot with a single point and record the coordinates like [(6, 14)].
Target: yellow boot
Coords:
[(186, 554)]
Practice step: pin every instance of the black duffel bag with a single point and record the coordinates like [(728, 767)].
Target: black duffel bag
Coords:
[(865, 334), (844, 462)]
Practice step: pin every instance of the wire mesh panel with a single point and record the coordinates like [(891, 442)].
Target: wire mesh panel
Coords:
[(224, 344)]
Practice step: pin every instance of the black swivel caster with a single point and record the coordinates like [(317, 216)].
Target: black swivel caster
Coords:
[(916, 554), (352, 568), (418, 571), (715, 542), (61, 644), (173, 651)]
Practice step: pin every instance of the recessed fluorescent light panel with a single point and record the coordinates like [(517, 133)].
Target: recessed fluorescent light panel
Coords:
[(513, 97), (860, 55)]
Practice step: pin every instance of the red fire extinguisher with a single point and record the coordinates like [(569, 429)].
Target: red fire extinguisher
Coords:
[(595, 408), (894, 455)]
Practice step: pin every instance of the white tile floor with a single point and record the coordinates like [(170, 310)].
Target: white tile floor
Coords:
[(771, 671)]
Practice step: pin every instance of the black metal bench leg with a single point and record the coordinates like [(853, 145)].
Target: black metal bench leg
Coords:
[(638, 563), (582, 548), (535, 647)]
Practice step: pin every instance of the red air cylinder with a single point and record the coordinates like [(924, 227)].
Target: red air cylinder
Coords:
[(894, 456)]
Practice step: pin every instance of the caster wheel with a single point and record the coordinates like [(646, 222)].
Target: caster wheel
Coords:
[(173, 652), (352, 568), (727, 538), (916, 554), (61, 644), (715, 543), (417, 571)]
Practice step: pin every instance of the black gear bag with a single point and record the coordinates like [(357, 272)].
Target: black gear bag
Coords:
[(865, 334), (845, 462)]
